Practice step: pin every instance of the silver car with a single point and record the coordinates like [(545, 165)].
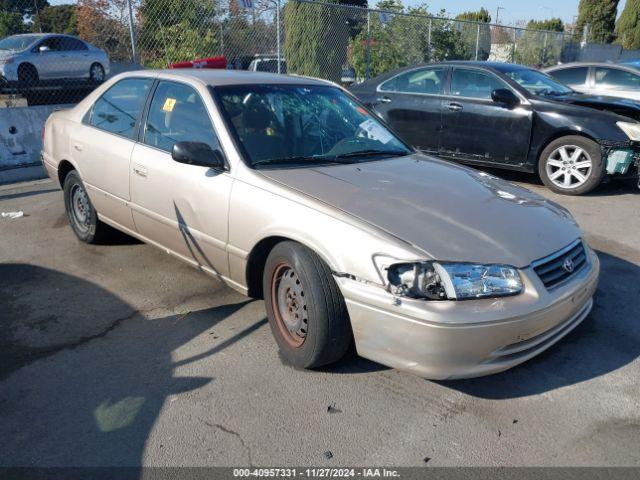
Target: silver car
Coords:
[(611, 79), (288, 189), (29, 58)]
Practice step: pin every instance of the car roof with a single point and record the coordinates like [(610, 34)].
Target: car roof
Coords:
[(219, 77), (628, 65)]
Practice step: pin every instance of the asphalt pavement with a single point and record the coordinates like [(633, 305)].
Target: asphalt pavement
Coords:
[(121, 355)]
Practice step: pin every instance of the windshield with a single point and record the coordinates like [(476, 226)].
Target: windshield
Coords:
[(17, 42), (537, 83), (292, 124)]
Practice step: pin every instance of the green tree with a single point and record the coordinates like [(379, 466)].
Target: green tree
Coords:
[(600, 15), (628, 26), (476, 33), (551, 24), (25, 8), (10, 24), (317, 39), (176, 31), (59, 19), (539, 44), (398, 40)]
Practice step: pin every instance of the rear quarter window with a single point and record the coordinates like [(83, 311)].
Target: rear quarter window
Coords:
[(119, 108)]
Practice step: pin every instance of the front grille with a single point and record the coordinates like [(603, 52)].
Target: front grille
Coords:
[(562, 265)]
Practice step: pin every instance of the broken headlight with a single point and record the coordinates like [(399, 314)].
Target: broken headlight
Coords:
[(631, 129), (452, 281)]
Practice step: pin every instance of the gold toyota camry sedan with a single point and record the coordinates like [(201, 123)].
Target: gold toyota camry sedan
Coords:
[(287, 188)]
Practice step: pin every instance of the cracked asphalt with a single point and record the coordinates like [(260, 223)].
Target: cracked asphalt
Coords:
[(121, 355)]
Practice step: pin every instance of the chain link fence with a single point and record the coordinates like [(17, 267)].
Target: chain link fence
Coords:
[(337, 42)]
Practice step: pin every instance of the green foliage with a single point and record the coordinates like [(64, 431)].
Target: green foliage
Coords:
[(404, 40), (551, 24), (628, 26), (59, 19), (540, 48), (473, 33), (23, 7), (176, 31), (316, 39), (600, 15), (10, 24)]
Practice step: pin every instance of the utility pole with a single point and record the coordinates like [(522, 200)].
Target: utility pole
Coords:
[(498, 13)]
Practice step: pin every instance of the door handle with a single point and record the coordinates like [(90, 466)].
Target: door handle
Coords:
[(455, 107), (140, 170), (384, 99), (77, 147)]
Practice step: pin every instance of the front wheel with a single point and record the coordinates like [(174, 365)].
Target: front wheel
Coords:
[(306, 311), (83, 218), (571, 165)]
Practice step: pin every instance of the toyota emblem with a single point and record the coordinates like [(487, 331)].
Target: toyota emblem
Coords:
[(568, 265)]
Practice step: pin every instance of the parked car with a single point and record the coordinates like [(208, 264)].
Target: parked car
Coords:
[(267, 63), (32, 57), (508, 116), (287, 188), (614, 79)]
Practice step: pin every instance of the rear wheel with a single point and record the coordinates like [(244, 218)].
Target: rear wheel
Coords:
[(306, 311), (571, 165), (83, 218), (96, 73)]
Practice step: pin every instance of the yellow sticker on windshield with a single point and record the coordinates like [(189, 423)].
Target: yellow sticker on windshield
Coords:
[(169, 103)]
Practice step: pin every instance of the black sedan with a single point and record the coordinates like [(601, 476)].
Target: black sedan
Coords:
[(509, 116)]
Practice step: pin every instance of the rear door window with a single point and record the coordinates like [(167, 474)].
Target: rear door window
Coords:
[(72, 44), (119, 108), (425, 81), (573, 77)]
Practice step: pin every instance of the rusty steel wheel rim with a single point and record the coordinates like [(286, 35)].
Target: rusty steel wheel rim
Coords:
[(289, 305)]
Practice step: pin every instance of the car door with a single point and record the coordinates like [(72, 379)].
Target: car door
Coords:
[(574, 77), (180, 207), (411, 103), (49, 63), (76, 57), (617, 82), (101, 147), (477, 129)]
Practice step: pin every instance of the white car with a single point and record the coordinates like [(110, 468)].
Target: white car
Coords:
[(29, 58), (611, 79)]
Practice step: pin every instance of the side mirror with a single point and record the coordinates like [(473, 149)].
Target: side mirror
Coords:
[(43, 48), (505, 96), (198, 153)]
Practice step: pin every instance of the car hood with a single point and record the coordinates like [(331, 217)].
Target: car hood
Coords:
[(449, 211), (601, 102), (4, 54)]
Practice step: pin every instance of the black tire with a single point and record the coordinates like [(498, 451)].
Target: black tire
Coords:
[(327, 335), (96, 73), (570, 143), (27, 75), (87, 228)]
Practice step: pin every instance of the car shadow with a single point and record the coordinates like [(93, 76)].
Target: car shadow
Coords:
[(608, 339), (84, 376)]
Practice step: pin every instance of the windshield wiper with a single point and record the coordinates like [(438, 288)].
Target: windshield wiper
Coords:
[(296, 160), (367, 153)]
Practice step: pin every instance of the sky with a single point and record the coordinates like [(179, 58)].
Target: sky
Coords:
[(514, 10)]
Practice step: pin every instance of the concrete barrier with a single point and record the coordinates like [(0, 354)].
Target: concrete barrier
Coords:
[(21, 142)]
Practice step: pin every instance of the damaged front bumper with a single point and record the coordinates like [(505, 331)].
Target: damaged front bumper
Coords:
[(621, 159), (453, 339)]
